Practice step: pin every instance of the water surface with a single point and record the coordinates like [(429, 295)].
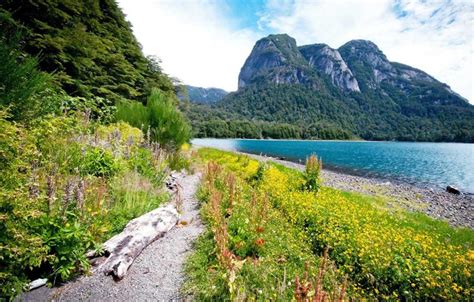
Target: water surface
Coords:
[(424, 164)]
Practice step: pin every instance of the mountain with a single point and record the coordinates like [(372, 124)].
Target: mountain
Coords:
[(332, 93), (88, 45), (203, 95)]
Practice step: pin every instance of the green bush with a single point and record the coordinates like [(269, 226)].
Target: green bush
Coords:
[(67, 240), (144, 163), (160, 117), (99, 162)]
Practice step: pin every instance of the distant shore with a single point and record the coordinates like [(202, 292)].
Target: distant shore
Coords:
[(355, 140), (457, 210)]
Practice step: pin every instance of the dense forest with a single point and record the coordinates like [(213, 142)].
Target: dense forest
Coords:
[(291, 111), (87, 45), (89, 132)]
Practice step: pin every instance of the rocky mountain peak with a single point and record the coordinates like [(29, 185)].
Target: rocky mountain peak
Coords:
[(329, 61), (367, 52), (357, 66), (277, 55)]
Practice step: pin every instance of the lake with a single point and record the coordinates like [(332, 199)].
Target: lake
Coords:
[(424, 164)]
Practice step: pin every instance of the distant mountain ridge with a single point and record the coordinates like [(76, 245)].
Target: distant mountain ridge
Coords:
[(203, 95), (353, 89)]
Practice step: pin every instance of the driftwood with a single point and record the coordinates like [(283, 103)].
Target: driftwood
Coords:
[(122, 249), (37, 283)]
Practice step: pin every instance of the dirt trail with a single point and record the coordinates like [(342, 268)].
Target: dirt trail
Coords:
[(156, 275)]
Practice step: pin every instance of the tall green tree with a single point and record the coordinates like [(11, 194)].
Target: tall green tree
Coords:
[(20, 81)]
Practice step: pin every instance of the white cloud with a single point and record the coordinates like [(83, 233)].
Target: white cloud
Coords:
[(195, 40), (201, 45), (440, 44)]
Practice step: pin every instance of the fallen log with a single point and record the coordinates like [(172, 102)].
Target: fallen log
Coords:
[(122, 249), (37, 283)]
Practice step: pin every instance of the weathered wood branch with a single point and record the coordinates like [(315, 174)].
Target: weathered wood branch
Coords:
[(122, 249)]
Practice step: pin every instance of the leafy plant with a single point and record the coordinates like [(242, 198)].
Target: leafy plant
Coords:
[(99, 162), (159, 118), (67, 241), (311, 175), (250, 251), (67, 185)]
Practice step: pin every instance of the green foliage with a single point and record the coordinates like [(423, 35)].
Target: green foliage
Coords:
[(262, 166), (88, 45), (177, 161), (160, 117), (249, 251), (98, 162), (133, 194), (67, 185), (20, 81), (67, 244)]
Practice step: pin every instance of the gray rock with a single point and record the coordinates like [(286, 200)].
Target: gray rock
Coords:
[(453, 190), (329, 61)]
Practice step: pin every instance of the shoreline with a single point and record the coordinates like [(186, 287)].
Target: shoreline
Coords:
[(457, 210), (330, 140)]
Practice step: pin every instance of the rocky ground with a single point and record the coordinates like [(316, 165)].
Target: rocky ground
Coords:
[(458, 210), (157, 273)]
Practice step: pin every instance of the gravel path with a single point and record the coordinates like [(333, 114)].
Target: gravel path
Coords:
[(457, 210), (156, 275)]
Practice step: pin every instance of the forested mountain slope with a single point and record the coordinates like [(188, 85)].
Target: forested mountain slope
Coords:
[(353, 91), (88, 45)]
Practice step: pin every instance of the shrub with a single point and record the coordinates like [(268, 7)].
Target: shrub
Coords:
[(166, 125), (147, 164), (99, 162), (67, 240)]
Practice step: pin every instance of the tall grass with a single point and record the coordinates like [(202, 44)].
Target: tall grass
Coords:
[(159, 119), (132, 195)]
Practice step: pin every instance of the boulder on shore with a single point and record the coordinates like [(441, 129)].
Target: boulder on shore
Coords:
[(453, 190)]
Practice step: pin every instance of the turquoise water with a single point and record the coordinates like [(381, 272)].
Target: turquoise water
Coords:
[(426, 164)]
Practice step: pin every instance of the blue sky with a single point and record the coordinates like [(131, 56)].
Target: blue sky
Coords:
[(205, 42), (246, 13)]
